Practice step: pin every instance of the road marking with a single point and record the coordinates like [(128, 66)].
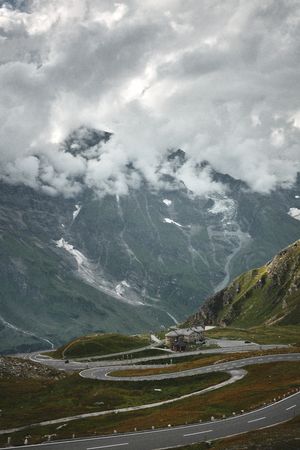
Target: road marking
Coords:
[(198, 432), (256, 420), (293, 406), (107, 446), (162, 430)]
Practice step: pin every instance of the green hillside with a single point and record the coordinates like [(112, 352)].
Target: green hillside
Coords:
[(268, 295), (99, 344)]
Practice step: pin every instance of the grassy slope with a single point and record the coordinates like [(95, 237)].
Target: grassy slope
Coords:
[(256, 305), (194, 362), (269, 293), (142, 354), (278, 379), (99, 344), (54, 398), (261, 335), (262, 305)]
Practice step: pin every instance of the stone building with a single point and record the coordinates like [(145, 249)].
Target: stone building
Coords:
[(180, 338)]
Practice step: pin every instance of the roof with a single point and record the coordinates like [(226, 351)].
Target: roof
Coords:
[(172, 334), (185, 331), (198, 329)]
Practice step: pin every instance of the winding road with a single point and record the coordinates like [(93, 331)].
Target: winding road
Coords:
[(267, 416), (228, 346), (277, 412), (102, 373)]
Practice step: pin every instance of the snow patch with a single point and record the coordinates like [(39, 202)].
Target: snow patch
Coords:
[(76, 211), (121, 287), (167, 220), (91, 275), (295, 213), (80, 258), (297, 196), (225, 206), (167, 202)]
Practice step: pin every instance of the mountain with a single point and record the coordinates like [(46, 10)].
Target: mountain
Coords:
[(265, 296), (132, 263)]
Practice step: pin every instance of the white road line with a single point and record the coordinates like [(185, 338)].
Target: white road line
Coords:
[(198, 432), (107, 446), (293, 406), (256, 420), (162, 430)]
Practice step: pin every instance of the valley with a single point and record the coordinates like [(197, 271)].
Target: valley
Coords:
[(126, 264), (111, 383), (149, 225)]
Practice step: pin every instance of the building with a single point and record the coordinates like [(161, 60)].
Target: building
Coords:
[(180, 338)]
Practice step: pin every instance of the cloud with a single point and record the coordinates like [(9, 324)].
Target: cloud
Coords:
[(218, 79)]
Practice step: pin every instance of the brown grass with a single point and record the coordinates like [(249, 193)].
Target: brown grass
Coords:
[(277, 379), (203, 361)]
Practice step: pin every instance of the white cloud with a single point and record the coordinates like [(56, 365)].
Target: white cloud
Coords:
[(217, 79), (22, 170)]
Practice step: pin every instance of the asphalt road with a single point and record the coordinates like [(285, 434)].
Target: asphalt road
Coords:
[(273, 414), (236, 346), (102, 373)]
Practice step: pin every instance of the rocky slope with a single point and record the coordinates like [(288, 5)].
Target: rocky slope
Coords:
[(127, 264), (16, 368), (267, 295)]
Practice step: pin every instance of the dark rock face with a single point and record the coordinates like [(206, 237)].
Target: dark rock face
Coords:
[(73, 266), (83, 139)]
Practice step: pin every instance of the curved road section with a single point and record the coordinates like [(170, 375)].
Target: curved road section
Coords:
[(102, 373), (276, 413), (267, 416)]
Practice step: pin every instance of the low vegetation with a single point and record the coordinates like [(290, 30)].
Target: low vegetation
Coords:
[(147, 353), (98, 345), (267, 295), (52, 398), (278, 379), (195, 362), (198, 361), (289, 334), (172, 359)]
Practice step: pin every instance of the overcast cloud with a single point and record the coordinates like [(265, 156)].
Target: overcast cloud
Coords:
[(219, 79)]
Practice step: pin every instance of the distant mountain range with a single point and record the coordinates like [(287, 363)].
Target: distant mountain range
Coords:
[(131, 263), (268, 295)]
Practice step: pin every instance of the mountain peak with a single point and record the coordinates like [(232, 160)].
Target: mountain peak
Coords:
[(177, 156), (83, 138)]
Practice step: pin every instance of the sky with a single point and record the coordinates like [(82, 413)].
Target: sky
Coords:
[(218, 79)]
